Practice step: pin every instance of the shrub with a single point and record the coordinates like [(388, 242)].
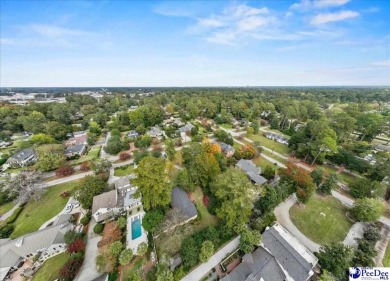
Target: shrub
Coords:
[(125, 256), (124, 156), (65, 194), (71, 236), (85, 220), (64, 171), (6, 230), (77, 246), (69, 270), (98, 228), (85, 166), (112, 276)]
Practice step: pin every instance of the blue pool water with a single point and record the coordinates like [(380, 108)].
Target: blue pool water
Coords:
[(136, 229)]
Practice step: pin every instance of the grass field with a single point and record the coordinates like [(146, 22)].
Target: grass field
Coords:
[(6, 207), (386, 258), (207, 219), (278, 147), (262, 162), (226, 126), (124, 170), (90, 156), (37, 213), (51, 268), (333, 227)]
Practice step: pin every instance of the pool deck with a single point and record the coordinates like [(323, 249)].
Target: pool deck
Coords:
[(133, 244)]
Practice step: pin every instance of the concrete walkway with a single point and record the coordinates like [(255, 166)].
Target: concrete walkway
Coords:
[(88, 269), (202, 269), (283, 216), (10, 212)]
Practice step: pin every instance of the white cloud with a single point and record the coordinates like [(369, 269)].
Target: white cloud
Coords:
[(307, 5), (210, 22), (333, 17), (385, 63), (53, 31)]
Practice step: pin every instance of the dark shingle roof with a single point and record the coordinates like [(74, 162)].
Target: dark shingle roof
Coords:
[(248, 166), (23, 154), (75, 148), (181, 201)]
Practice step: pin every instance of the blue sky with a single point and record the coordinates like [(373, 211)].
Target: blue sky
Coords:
[(194, 43)]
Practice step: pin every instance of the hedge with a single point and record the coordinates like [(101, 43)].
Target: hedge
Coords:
[(14, 215), (98, 228)]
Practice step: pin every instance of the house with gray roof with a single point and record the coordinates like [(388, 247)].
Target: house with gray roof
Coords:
[(48, 241), (180, 200), (252, 171), (186, 128), (155, 132), (78, 149), (279, 257), (227, 149), (22, 158), (382, 147)]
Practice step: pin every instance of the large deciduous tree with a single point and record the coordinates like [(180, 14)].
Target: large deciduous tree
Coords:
[(368, 209), (90, 187), (152, 182)]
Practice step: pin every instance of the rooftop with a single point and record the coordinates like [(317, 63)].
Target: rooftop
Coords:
[(181, 201)]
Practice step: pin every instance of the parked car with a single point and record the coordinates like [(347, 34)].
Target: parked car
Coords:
[(76, 204), (69, 208)]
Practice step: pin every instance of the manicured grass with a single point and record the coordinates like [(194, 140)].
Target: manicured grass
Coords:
[(273, 155), (333, 227), (124, 170), (262, 162), (278, 147), (386, 258), (37, 213), (206, 219), (226, 126), (51, 268), (92, 154), (6, 207)]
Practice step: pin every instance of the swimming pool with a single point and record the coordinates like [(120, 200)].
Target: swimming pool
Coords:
[(136, 229)]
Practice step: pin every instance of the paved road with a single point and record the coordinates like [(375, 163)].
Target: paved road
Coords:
[(68, 179), (9, 213), (283, 216), (202, 269), (88, 269)]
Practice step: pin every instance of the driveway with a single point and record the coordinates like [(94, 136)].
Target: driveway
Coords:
[(202, 269), (355, 232), (283, 217), (88, 269)]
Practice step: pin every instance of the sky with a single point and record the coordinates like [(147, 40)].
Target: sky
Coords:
[(194, 43)]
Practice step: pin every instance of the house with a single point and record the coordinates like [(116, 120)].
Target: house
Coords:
[(276, 137), (22, 158), (124, 184), (48, 241), (5, 144), (186, 128), (78, 149), (279, 257), (155, 132), (112, 203), (252, 171), (382, 147), (180, 200), (133, 134), (227, 149), (78, 138)]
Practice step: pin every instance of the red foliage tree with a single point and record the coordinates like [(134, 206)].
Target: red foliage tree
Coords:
[(124, 156), (76, 246), (64, 171), (85, 166), (69, 270)]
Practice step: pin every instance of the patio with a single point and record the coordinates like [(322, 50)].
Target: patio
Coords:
[(131, 222)]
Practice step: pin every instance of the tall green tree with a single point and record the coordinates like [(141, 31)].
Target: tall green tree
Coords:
[(336, 259), (90, 187), (368, 209), (206, 251), (236, 196), (248, 240), (152, 183)]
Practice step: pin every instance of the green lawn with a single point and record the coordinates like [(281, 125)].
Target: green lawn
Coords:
[(37, 213), (386, 258), (6, 207), (226, 126), (278, 147), (273, 155), (207, 219), (51, 268), (262, 162), (92, 154), (124, 170), (333, 227)]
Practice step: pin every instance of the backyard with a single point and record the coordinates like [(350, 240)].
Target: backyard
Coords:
[(37, 213), (51, 268), (133, 267), (124, 170), (92, 154), (323, 220), (261, 162), (278, 147), (206, 219), (386, 258)]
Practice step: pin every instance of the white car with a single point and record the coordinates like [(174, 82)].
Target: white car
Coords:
[(69, 208), (76, 204)]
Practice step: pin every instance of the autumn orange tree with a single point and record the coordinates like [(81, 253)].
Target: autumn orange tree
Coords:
[(247, 151), (301, 181)]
